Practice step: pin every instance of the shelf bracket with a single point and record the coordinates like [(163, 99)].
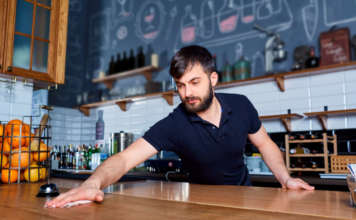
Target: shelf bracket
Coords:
[(280, 82), (168, 97), (287, 123), (85, 110), (122, 105), (109, 84), (323, 121), (147, 75)]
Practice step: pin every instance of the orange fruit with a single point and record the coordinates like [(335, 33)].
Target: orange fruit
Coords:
[(42, 154), (13, 125), (5, 147), (1, 132), (34, 174), (24, 161), (7, 174), (15, 139), (4, 160)]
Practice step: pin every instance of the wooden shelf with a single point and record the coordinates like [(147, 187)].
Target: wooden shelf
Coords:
[(324, 148), (306, 141), (322, 116), (307, 169), (285, 118), (280, 77), (306, 155), (122, 103), (109, 80)]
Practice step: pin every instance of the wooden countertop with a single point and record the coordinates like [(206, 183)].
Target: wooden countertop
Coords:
[(173, 200)]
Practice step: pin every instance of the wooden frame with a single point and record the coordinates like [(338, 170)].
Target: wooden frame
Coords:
[(3, 7), (56, 48)]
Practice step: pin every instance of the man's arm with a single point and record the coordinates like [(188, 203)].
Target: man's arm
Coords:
[(107, 173), (273, 158)]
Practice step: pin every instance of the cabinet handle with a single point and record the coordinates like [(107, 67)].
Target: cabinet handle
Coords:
[(9, 69)]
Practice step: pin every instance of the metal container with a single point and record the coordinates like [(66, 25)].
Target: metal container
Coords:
[(119, 141)]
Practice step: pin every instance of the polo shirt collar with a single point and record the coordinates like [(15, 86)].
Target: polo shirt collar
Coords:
[(226, 109)]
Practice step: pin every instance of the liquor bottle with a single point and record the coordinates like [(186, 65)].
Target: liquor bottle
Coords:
[(111, 69), (242, 69), (99, 127), (124, 63), (131, 60), (140, 58), (90, 153), (118, 64), (312, 61), (227, 72)]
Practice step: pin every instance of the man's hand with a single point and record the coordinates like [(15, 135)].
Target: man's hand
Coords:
[(81, 193), (296, 183)]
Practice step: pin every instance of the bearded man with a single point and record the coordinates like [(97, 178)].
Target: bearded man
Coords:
[(208, 131)]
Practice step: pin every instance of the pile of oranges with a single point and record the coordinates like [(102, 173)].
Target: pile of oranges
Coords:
[(17, 155)]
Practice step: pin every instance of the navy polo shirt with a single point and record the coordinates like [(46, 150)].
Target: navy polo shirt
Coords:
[(210, 154)]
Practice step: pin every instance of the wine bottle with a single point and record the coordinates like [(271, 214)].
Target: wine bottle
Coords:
[(140, 58), (118, 64), (131, 61), (312, 61), (124, 63)]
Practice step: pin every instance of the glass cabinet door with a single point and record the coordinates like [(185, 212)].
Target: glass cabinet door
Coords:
[(31, 37)]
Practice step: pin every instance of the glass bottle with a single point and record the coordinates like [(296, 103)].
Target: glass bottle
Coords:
[(242, 69), (140, 58), (111, 69), (124, 63), (99, 126), (118, 64), (312, 61), (131, 62)]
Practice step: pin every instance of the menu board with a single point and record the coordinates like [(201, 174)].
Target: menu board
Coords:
[(335, 47)]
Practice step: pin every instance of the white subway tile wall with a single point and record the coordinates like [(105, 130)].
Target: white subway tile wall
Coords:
[(15, 100), (302, 94)]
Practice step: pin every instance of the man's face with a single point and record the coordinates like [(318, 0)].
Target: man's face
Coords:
[(195, 89)]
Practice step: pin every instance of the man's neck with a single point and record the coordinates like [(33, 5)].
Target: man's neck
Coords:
[(213, 113)]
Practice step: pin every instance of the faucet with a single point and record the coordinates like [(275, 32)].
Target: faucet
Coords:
[(274, 49)]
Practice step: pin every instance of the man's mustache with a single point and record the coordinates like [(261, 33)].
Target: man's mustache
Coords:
[(187, 99)]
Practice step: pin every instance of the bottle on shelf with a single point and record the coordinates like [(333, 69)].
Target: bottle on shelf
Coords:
[(118, 64), (312, 61), (140, 57), (227, 72), (124, 63), (131, 60), (242, 69), (111, 69), (99, 127)]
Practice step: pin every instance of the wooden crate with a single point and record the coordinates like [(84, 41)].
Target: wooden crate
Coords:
[(339, 162)]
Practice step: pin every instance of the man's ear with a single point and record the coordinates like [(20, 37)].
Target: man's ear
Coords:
[(214, 78)]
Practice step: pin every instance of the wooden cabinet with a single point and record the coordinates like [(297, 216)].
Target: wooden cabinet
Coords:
[(35, 35)]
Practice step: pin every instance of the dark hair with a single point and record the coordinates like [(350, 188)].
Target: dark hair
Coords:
[(188, 56)]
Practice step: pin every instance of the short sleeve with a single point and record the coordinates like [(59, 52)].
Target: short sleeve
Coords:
[(161, 135), (254, 120)]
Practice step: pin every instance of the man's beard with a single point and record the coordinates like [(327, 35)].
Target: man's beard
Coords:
[(204, 104)]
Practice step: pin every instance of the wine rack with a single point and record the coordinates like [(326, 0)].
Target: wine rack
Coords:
[(323, 151)]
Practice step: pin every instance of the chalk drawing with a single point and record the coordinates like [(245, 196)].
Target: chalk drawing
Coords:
[(258, 64), (265, 10), (99, 28), (248, 11), (238, 50), (207, 23), (335, 12), (122, 32), (150, 20), (310, 15), (172, 15), (228, 16), (121, 11), (281, 20), (75, 5), (189, 25)]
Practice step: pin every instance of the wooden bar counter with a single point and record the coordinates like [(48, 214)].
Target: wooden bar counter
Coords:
[(176, 200)]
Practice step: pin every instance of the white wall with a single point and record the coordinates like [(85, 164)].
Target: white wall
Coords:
[(15, 100), (302, 94)]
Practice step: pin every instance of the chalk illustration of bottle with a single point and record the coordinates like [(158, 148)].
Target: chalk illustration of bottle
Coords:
[(188, 25), (228, 16), (207, 19), (248, 11), (310, 15)]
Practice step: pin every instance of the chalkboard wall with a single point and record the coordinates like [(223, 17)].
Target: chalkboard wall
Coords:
[(101, 29)]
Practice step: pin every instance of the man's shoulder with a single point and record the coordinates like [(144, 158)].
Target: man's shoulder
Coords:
[(232, 98)]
